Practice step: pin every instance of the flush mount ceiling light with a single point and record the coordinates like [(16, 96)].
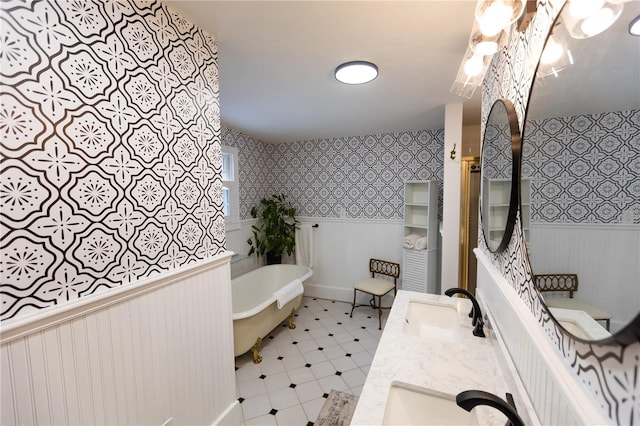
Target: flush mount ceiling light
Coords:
[(634, 26), (356, 72)]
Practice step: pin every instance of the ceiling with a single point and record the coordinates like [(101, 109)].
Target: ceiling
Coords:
[(276, 62)]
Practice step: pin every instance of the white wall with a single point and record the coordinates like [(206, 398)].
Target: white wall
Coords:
[(451, 193), (154, 352), (599, 254)]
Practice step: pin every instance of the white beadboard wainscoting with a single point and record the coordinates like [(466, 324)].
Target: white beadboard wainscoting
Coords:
[(159, 351), (555, 393), (342, 249), (606, 258)]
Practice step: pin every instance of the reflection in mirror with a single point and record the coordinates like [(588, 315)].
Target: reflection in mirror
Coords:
[(580, 182), (500, 144)]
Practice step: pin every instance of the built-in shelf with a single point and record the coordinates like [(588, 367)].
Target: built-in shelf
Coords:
[(421, 218)]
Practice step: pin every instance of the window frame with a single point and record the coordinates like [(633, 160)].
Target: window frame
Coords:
[(232, 220)]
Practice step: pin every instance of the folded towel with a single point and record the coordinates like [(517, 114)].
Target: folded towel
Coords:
[(421, 243), (288, 293), (410, 240)]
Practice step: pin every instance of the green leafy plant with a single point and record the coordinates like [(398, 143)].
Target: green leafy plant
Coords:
[(274, 234)]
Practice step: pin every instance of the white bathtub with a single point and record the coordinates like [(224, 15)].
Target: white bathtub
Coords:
[(255, 312)]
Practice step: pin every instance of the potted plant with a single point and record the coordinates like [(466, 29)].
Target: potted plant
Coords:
[(274, 234)]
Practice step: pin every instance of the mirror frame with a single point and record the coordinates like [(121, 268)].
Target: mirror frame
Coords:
[(514, 199), (630, 333)]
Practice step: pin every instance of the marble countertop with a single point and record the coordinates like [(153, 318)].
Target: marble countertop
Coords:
[(436, 366)]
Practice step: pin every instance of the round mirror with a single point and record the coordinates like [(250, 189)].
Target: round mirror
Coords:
[(500, 149), (580, 183)]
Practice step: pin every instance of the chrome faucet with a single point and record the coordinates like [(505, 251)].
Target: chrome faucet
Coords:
[(472, 398), (475, 313)]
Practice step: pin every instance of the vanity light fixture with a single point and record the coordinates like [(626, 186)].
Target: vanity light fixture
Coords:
[(356, 72), (634, 26)]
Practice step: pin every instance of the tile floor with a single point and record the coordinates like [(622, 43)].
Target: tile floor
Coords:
[(327, 350)]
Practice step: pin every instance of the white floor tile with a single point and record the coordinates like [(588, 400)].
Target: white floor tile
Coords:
[(357, 391), (343, 364), (334, 352), (293, 416), (313, 407), (284, 398), (353, 347), (251, 388), (293, 362), (326, 341), (354, 378), (256, 406), (271, 366), (309, 345), (266, 420), (308, 391), (277, 381), (323, 369), (301, 375), (315, 357), (362, 358), (332, 382)]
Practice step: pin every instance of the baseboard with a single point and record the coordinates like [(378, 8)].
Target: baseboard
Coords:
[(341, 294), (327, 292), (231, 416)]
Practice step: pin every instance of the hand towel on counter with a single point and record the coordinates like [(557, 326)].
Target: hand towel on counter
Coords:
[(410, 240), (304, 246), (288, 293), (421, 243)]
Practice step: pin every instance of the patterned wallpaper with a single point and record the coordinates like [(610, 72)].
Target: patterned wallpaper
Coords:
[(608, 373), (363, 175), (496, 154), (109, 127), (586, 168)]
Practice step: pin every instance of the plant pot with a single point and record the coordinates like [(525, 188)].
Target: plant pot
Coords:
[(273, 258)]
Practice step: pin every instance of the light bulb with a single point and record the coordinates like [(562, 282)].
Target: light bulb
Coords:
[(552, 52), (600, 21), (494, 18), (474, 65), (581, 9), (486, 48)]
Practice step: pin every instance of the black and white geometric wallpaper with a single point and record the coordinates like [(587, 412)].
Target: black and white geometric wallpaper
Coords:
[(609, 374), (110, 145), (496, 152), (583, 169), (362, 175)]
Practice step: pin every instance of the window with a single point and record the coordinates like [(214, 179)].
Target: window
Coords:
[(230, 197)]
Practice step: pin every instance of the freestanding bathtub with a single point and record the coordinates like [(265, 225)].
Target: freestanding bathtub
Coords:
[(255, 311)]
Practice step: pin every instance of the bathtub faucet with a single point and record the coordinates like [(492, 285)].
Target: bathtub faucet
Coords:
[(472, 398), (476, 313)]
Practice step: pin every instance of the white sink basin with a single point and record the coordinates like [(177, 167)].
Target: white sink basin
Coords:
[(408, 405), (433, 320)]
